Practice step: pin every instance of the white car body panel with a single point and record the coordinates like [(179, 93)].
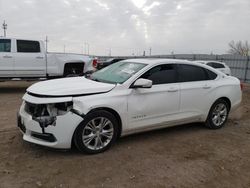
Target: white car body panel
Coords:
[(149, 113), (7, 62), (139, 109), (77, 85)]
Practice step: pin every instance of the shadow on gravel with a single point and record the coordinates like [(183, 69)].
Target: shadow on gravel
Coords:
[(179, 129), (10, 87), (6, 90)]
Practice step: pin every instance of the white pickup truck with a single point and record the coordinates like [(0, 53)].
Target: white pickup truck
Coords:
[(27, 59)]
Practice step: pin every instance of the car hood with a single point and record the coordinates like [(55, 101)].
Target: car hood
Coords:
[(69, 87)]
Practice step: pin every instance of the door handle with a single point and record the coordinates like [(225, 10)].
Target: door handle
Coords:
[(172, 90), (39, 57), (7, 56), (206, 87)]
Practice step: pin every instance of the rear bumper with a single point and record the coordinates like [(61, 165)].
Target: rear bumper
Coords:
[(58, 136)]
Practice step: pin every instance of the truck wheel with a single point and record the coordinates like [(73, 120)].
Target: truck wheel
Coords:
[(73, 69), (96, 133)]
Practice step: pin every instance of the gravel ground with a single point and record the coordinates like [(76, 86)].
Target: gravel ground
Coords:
[(184, 156)]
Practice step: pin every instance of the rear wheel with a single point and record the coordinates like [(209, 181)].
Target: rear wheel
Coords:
[(96, 133), (73, 69), (218, 114)]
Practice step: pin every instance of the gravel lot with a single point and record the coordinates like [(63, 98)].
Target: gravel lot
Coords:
[(183, 156)]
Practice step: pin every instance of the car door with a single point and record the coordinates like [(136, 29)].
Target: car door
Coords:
[(6, 58), (29, 60), (197, 90), (156, 105)]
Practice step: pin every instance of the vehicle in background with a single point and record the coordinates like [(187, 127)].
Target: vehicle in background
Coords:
[(108, 62), (221, 66), (27, 59), (130, 96)]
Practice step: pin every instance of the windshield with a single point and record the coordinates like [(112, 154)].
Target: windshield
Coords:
[(118, 72)]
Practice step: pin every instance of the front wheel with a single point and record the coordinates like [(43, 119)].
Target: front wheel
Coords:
[(96, 133), (218, 114)]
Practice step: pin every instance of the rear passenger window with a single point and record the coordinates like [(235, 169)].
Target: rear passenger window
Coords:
[(211, 75), (162, 74), (27, 46), (190, 73), (5, 45), (216, 65)]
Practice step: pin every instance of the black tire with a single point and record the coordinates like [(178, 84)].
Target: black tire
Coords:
[(81, 129), (212, 122), (73, 69)]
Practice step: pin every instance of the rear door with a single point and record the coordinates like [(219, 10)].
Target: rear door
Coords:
[(6, 58), (197, 86), (149, 107), (29, 59)]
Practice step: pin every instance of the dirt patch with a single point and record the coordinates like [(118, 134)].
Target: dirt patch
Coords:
[(183, 156)]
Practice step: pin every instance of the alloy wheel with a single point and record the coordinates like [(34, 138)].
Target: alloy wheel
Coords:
[(219, 114), (98, 133)]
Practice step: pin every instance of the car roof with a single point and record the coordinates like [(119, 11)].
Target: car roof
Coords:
[(208, 61)]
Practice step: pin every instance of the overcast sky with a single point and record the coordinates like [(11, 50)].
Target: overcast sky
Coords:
[(130, 26)]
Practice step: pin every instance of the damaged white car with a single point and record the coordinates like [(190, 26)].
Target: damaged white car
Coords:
[(127, 97)]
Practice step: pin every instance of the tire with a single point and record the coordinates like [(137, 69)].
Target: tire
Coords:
[(73, 69), (218, 114), (100, 131)]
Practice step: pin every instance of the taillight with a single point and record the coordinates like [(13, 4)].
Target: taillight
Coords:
[(94, 63), (241, 86)]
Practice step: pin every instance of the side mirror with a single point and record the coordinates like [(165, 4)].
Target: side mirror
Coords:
[(142, 83)]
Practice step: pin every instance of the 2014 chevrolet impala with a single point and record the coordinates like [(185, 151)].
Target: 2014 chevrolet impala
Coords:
[(127, 97)]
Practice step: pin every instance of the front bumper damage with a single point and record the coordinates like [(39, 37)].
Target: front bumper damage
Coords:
[(57, 132)]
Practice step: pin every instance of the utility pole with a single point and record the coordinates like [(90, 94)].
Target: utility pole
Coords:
[(110, 52), (86, 46), (46, 55), (46, 44), (4, 28), (150, 51)]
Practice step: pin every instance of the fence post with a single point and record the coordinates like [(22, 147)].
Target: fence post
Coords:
[(194, 57), (246, 69)]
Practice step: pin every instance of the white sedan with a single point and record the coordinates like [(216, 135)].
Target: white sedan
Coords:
[(126, 97), (221, 66)]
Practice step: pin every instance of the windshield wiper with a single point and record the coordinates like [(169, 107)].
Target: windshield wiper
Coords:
[(95, 79)]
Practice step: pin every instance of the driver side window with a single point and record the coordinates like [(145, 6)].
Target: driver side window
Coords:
[(162, 74)]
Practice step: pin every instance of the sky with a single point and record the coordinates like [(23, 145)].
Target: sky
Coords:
[(129, 27)]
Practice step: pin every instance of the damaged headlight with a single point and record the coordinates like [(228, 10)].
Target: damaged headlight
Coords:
[(46, 114)]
